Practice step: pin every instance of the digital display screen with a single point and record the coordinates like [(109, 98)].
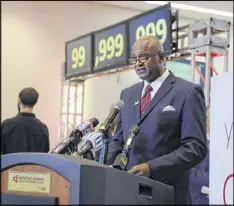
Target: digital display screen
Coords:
[(79, 56), (110, 47), (156, 23)]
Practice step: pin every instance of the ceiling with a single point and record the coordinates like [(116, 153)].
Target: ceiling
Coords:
[(142, 6)]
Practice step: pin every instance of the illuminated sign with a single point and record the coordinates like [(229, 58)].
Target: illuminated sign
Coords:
[(110, 47), (79, 56), (156, 23)]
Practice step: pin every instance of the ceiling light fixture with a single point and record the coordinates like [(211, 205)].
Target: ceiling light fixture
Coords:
[(193, 8)]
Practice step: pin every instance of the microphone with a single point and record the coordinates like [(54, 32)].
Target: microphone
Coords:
[(92, 142), (133, 132), (76, 135), (121, 160), (85, 127), (105, 126)]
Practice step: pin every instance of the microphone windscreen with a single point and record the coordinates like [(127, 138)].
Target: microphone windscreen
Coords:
[(134, 129), (94, 121), (119, 104)]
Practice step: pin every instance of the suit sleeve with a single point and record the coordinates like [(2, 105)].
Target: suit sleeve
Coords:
[(193, 140), (116, 145)]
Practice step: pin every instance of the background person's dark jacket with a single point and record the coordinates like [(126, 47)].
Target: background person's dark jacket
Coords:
[(199, 177), (24, 133)]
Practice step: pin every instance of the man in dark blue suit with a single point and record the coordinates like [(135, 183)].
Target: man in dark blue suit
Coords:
[(171, 115)]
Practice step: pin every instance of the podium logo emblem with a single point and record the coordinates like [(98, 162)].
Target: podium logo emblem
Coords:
[(15, 178), (41, 187), (29, 181)]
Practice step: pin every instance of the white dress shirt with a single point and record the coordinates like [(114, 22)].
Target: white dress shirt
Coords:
[(156, 84)]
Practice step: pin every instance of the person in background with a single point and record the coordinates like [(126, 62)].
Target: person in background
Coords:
[(199, 175), (24, 132)]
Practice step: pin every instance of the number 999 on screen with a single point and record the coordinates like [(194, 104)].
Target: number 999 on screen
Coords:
[(151, 29), (78, 57), (109, 48)]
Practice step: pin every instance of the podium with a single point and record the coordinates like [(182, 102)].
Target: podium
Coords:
[(39, 178)]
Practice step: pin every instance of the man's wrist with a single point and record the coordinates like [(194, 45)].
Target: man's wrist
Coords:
[(150, 171)]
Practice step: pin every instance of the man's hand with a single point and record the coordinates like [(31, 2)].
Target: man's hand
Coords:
[(141, 170)]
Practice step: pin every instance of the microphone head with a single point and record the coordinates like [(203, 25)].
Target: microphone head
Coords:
[(119, 104), (134, 129), (94, 138), (94, 121)]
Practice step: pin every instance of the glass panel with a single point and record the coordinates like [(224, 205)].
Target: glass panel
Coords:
[(71, 124), (64, 106), (78, 119), (79, 101), (79, 105), (75, 107), (72, 99)]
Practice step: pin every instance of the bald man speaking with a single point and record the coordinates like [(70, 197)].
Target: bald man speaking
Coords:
[(171, 115)]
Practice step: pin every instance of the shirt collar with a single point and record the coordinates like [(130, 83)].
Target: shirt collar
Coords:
[(26, 114), (159, 80)]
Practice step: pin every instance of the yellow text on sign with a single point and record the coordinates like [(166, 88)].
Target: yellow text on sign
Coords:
[(29, 182), (109, 48), (78, 57), (151, 29)]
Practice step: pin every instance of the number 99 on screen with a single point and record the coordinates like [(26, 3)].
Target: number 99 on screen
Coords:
[(159, 29), (109, 48), (78, 57)]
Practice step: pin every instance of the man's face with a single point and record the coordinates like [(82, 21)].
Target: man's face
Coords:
[(149, 68)]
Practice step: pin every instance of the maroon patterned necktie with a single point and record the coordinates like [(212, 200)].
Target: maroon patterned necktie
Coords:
[(146, 99)]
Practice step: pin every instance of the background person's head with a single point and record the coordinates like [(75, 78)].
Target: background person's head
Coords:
[(148, 58), (27, 99)]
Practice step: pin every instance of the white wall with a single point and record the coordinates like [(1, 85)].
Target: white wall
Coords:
[(33, 45)]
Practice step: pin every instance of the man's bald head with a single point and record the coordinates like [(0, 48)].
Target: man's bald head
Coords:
[(149, 44)]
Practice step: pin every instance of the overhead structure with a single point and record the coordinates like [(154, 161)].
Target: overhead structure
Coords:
[(209, 45)]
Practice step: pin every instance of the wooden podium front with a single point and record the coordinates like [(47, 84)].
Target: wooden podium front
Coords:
[(12, 184)]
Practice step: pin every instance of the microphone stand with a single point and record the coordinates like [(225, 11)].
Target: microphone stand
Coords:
[(103, 155)]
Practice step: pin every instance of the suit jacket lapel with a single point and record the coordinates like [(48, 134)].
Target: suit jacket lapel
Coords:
[(136, 99), (162, 91)]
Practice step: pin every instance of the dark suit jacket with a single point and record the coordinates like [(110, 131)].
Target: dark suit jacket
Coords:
[(171, 142), (199, 177)]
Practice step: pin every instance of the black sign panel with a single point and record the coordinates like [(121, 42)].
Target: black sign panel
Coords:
[(110, 47), (79, 56), (156, 23)]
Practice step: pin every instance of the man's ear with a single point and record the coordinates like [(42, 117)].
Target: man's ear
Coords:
[(161, 60), (19, 100), (161, 57)]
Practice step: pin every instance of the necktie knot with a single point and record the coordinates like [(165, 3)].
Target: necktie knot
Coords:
[(148, 88)]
